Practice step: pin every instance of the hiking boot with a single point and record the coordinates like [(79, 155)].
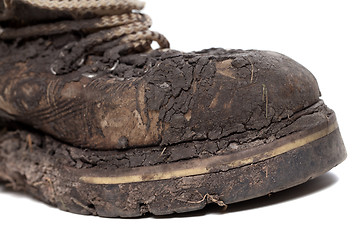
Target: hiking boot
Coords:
[(96, 122)]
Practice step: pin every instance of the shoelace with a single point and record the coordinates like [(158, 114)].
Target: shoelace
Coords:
[(114, 20)]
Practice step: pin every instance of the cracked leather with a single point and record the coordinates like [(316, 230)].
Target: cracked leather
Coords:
[(160, 98)]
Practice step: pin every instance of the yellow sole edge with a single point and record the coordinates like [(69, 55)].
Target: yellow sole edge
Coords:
[(207, 165)]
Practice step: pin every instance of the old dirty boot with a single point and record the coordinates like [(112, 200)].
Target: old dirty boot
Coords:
[(96, 122)]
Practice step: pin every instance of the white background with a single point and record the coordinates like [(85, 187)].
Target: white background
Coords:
[(321, 35)]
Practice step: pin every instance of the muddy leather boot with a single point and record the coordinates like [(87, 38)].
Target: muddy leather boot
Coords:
[(117, 129)]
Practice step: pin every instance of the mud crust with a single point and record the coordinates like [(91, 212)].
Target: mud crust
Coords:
[(51, 171), (162, 97), (159, 132)]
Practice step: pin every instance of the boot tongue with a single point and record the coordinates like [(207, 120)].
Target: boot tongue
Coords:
[(25, 12), (99, 21), (19, 14)]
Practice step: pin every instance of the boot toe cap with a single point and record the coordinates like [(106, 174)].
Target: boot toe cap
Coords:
[(238, 90)]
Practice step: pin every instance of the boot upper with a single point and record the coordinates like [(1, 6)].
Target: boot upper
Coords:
[(158, 98)]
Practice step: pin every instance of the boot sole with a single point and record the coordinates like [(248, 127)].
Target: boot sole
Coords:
[(186, 185)]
